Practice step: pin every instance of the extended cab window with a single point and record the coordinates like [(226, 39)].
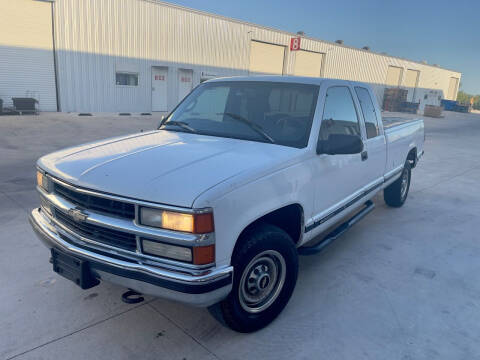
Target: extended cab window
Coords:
[(275, 112), (368, 111), (339, 114)]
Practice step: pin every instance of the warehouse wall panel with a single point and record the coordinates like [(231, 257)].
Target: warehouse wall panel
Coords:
[(94, 36)]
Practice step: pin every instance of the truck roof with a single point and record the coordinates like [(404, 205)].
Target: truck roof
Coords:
[(286, 78)]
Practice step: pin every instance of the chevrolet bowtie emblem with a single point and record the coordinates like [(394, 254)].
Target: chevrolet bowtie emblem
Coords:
[(78, 215)]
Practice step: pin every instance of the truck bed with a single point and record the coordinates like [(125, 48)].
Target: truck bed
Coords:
[(402, 134), (392, 121)]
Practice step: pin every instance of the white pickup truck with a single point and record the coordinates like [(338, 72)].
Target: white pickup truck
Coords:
[(216, 204)]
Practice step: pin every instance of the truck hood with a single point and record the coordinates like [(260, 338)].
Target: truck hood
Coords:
[(166, 167)]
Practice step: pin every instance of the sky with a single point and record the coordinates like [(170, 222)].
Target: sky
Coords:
[(443, 32)]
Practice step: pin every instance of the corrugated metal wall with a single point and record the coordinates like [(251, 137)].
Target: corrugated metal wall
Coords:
[(26, 52), (95, 37)]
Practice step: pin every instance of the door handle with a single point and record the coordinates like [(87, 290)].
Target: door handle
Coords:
[(364, 155)]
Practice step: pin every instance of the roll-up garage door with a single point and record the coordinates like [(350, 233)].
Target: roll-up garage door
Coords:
[(452, 88), (411, 78), (26, 53), (411, 82), (394, 75), (266, 58), (308, 63)]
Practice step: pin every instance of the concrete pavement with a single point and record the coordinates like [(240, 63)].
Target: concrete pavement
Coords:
[(403, 284)]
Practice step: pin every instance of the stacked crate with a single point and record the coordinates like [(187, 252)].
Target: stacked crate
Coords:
[(433, 111), (393, 99)]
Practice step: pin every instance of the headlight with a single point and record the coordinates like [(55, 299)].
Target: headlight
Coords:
[(172, 220), (42, 180)]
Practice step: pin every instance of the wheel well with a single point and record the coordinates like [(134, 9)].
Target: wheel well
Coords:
[(288, 218), (412, 157)]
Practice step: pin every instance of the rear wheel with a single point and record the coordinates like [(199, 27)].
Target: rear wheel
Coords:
[(265, 273), (396, 193)]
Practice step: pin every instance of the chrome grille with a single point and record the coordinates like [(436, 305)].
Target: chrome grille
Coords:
[(96, 203), (97, 233)]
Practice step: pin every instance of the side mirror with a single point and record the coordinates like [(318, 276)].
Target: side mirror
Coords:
[(160, 122), (338, 144)]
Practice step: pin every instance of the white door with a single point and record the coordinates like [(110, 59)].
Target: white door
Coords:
[(159, 88), (337, 177), (185, 83)]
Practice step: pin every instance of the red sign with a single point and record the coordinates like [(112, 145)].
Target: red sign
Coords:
[(160, 77), (295, 44), (185, 79)]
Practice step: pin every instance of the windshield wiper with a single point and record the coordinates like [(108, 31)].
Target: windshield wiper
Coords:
[(181, 124), (257, 128)]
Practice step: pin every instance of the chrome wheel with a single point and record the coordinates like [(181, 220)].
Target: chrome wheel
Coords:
[(404, 184), (262, 281)]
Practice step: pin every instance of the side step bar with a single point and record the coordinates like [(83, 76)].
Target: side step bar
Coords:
[(337, 232)]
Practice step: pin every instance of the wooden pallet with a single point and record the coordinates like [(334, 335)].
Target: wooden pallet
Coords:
[(433, 111)]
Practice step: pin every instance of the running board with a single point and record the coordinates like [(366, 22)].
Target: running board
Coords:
[(337, 232)]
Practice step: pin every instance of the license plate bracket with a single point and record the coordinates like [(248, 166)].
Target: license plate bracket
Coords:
[(74, 269)]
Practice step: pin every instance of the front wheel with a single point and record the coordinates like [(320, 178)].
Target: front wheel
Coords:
[(396, 193), (265, 273)]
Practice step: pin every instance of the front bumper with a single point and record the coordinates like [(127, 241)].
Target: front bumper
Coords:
[(198, 290)]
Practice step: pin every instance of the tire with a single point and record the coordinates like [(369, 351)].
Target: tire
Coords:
[(265, 272), (396, 193)]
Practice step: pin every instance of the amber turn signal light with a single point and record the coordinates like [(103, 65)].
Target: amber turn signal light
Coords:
[(203, 255), (203, 223)]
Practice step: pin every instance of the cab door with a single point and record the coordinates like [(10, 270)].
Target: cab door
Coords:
[(375, 153), (338, 178)]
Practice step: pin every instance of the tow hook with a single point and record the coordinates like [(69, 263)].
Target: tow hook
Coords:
[(132, 297)]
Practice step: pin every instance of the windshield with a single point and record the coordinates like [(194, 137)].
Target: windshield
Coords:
[(272, 112)]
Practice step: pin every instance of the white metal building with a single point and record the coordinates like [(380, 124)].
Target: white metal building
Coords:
[(146, 55)]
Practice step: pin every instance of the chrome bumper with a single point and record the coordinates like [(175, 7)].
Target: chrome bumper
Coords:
[(198, 290)]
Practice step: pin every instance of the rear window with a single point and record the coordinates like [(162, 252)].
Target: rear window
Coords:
[(368, 111)]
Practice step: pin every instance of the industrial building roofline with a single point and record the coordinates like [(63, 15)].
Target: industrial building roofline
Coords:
[(226, 18)]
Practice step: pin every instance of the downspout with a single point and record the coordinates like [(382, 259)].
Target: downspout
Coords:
[(55, 70)]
